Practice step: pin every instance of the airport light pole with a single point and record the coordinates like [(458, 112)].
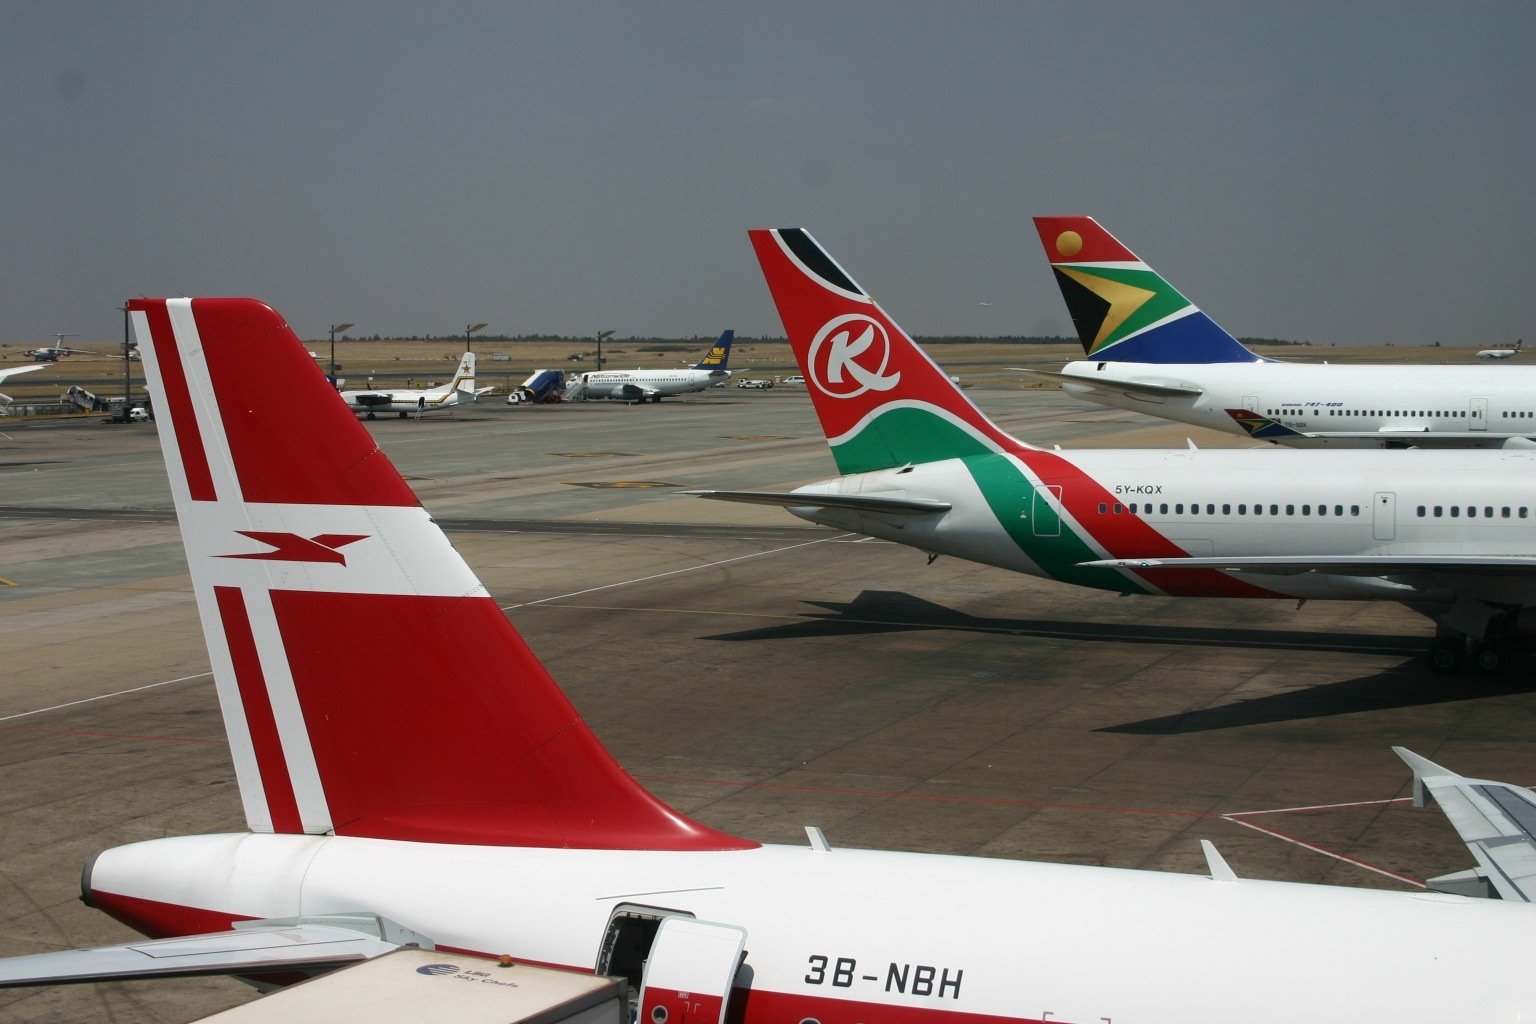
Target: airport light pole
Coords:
[(127, 347), (335, 330), (600, 336), (468, 330)]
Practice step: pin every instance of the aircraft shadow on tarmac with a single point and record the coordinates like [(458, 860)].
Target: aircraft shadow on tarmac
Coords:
[(1407, 685)]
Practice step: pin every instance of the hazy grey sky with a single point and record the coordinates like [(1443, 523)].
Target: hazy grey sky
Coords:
[(1335, 172)]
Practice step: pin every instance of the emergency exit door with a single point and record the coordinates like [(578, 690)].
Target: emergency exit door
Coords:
[(690, 970)]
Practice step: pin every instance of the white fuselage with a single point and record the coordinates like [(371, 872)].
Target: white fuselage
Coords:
[(844, 936), (1063, 508), (1406, 405), (636, 385)]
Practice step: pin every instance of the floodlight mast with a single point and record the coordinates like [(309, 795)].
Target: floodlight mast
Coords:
[(600, 336), (468, 330), (335, 330)]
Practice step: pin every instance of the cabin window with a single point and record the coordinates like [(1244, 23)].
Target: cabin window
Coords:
[(1242, 510), (1421, 511), (1504, 512), (1103, 508), (1471, 511), (1455, 511), (1274, 510), (1522, 511), (1354, 510), (1163, 508), (1226, 510), (1119, 508), (1306, 510), (1178, 509), (1210, 509), (1487, 511), (1439, 511)]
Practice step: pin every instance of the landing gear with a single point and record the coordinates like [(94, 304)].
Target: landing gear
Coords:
[(1446, 654), (368, 417), (1450, 654)]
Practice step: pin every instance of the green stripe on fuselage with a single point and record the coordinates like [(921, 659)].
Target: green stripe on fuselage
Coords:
[(903, 436), (1011, 496)]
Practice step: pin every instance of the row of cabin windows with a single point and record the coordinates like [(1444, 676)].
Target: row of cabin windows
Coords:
[(1373, 412), (1146, 508), (1471, 512), (1518, 415)]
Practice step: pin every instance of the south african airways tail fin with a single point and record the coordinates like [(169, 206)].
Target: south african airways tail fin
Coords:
[(369, 684), (1123, 309), (881, 400)]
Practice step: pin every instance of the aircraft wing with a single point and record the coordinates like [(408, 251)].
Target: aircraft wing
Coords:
[(1496, 820), (1340, 565), (859, 502), (14, 370), (1109, 385), (250, 948), (635, 391)]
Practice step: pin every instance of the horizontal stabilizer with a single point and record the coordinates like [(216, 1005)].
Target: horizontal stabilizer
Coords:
[(1110, 385), (308, 944), (1340, 565), (1496, 820), (858, 502)]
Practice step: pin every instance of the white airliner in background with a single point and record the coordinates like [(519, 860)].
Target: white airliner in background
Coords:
[(1501, 353), (654, 385), (459, 801), (1449, 532), (13, 372), (1150, 349), (405, 401)]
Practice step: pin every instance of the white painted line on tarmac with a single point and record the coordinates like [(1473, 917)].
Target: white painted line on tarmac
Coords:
[(1317, 807), (673, 572), (104, 696)]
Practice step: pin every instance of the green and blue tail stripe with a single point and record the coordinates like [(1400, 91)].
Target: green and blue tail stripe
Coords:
[(1122, 309)]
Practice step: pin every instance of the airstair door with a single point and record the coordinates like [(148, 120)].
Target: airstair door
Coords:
[(1478, 420), (689, 973)]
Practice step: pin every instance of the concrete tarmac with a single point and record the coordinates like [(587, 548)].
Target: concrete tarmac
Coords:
[(756, 672)]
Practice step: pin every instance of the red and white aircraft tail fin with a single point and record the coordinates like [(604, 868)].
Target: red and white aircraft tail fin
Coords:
[(881, 400), (370, 686)]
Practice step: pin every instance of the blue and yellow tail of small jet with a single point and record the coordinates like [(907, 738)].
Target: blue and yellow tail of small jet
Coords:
[(719, 357)]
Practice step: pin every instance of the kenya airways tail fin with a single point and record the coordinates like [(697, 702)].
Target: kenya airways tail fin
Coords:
[(881, 401), (1123, 310), (370, 686)]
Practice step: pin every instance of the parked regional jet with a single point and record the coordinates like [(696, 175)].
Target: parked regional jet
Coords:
[(654, 385), (1152, 350), (479, 813), (13, 372), (1452, 531), (405, 401), (1501, 353)]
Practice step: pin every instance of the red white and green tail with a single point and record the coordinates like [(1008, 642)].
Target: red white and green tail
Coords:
[(881, 401)]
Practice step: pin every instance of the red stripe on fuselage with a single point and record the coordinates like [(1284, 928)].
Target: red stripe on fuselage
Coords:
[(1129, 536), (173, 379), (259, 719)]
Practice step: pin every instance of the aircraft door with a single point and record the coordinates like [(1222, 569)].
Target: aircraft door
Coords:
[(1384, 515), (689, 973), (1477, 415), (1045, 511)]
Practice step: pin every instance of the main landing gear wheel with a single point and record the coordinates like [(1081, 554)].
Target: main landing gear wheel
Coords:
[(1446, 654), (369, 416)]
